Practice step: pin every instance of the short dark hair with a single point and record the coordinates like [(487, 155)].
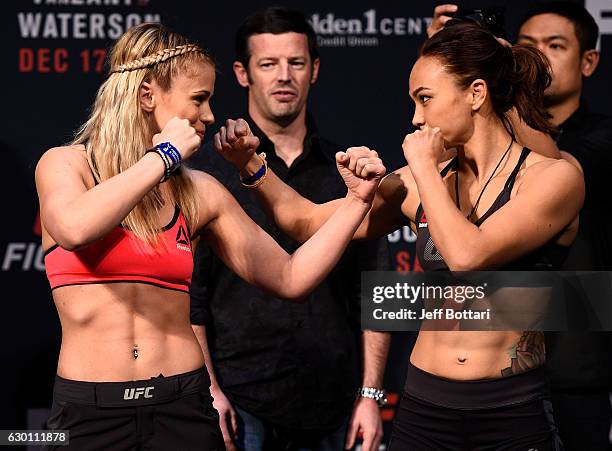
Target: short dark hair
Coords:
[(585, 26), (275, 20)]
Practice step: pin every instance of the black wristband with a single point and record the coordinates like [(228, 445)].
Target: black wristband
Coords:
[(167, 163)]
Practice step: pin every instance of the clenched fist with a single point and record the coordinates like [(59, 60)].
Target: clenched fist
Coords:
[(181, 135), (425, 145), (361, 170), (236, 143)]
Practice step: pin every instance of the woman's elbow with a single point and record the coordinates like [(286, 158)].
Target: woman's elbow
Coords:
[(466, 261), (291, 283), (296, 295), (69, 235)]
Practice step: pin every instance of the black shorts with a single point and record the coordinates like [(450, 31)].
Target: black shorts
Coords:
[(509, 413), (161, 413)]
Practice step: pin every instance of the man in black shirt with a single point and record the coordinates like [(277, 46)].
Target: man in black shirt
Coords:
[(285, 376), (578, 363)]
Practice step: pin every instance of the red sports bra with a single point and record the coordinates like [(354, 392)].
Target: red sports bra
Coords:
[(122, 257)]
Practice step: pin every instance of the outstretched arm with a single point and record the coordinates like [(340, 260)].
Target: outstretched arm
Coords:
[(297, 216), (252, 254)]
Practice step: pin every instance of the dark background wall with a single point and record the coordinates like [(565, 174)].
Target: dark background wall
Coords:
[(53, 61)]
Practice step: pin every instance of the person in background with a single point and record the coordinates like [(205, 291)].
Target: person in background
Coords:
[(285, 376), (578, 363)]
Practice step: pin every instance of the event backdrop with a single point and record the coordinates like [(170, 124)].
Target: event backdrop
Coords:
[(54, 53)]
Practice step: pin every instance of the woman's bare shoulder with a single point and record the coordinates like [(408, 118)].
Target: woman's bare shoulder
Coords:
[(537, 163), (70, 154), (204, 182), (70, 151), (64, 160), (212, 196), (540, 170)]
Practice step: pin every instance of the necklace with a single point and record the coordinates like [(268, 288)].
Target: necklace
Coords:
[(485, 185)]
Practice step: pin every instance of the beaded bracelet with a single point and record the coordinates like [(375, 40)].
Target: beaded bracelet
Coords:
[(167, 166), (253, 181)]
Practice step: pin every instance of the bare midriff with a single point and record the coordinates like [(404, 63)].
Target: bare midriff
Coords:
[(463, 355), (124, 331)]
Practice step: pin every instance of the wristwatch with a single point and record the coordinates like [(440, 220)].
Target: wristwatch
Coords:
[(378, 395)]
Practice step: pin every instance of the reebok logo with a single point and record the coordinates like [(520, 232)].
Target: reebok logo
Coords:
[(135, 393), (182, 240), (423, 221)]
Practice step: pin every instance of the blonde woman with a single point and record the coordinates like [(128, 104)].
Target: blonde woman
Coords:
[(117, 221)]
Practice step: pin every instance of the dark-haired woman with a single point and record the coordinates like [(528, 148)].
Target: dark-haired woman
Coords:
[(495, 205)]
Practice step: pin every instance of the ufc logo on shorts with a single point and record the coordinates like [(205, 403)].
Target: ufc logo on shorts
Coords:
[(134, 393)]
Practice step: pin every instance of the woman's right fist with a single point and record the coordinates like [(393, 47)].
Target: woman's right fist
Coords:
[(181, 135), (236, 143), (362, 170)]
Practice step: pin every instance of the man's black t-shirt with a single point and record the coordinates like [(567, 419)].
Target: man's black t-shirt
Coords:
[(581, 360), (296, 365)]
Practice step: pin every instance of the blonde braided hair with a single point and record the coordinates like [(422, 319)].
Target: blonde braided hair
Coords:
[(118, 131), (158, 57)]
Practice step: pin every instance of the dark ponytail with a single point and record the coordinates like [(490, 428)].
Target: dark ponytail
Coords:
[(516, 77), (531, 76)]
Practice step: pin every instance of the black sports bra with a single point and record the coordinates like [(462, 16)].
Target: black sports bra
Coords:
[(548, 257)]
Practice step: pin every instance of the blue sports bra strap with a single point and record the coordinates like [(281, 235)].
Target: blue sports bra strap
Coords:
[(511, 179)]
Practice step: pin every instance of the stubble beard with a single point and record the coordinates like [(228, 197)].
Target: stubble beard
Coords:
[(284, 115)]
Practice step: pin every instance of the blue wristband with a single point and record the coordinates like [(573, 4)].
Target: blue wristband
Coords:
[(251, 179), (172, 153)]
